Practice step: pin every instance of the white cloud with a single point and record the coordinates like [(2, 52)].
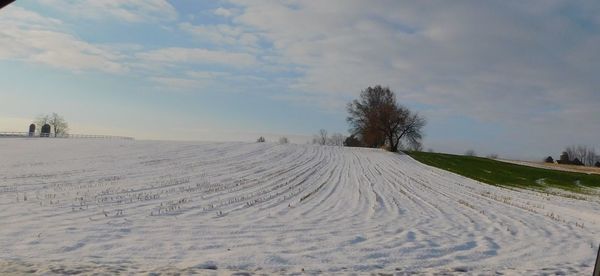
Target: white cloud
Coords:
[(17, 16), (513, 63), (223, 12), (197, 56), (179, 83), (126, 10), (30, 37), (221, 34), (190, 80), (206, 74), (347, 45), (510, 63)]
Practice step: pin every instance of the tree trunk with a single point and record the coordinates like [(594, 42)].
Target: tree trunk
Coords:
[(393, 146)]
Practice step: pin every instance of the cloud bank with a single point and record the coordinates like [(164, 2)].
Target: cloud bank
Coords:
[(526, 68)]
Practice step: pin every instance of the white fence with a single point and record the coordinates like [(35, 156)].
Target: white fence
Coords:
[(77, 136)]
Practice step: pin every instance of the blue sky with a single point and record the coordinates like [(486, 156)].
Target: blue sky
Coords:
[(517, 78)]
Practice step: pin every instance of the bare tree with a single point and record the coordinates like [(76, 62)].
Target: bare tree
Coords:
[(587, 155), (336, 139), (378, 120), (492, 156), (322, 137), (470, 153), (59, 125), (283, 140), (415, 146)]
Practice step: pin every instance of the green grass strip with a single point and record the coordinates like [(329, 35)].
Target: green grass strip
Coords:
[(506, 174)]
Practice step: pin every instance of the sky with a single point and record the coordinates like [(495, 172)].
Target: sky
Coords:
[(517, 78)]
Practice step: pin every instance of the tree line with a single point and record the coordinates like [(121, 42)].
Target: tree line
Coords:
[(580, 155), (322, 138)]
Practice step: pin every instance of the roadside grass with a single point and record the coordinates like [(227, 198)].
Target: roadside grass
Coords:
[(506, 174)]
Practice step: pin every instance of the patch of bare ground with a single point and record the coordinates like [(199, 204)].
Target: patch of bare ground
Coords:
[(554, 166)]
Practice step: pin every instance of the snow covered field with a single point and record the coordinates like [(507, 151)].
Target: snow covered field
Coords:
[(70, 205)]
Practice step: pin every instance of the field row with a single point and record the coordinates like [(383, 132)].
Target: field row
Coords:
[(251, 206)]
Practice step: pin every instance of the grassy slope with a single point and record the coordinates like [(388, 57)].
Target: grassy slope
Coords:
[(506, 174)]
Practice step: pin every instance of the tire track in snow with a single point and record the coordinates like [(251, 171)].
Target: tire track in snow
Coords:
[(251, 205)]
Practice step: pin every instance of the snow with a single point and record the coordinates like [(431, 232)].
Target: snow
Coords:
[(116, 205)]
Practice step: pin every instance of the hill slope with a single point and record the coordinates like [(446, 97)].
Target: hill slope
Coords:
[(508, 174), (137, 206)]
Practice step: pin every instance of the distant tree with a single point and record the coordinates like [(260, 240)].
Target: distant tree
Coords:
[(586, 154), (41, 120), (470, 153), (597, 164), (336, 139), (378, 120), (59, 125), (283, 140), (492, 156), (351, 141), (260, 139), (322, 137), (415, 146), (549, 159)]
